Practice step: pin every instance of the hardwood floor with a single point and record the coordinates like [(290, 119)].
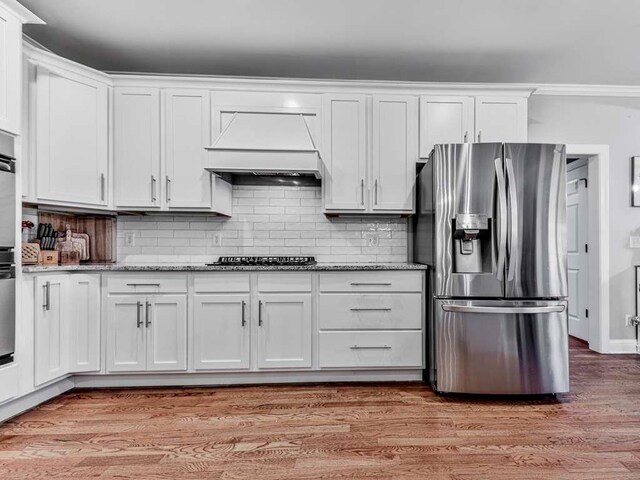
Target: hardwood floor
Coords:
[(378, 431)]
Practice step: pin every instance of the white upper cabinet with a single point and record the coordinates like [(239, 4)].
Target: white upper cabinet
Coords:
[(501, 119), (137, 147), (395, 152), (221, 325), (345, 152), (445, 119), (187, 130), (72, 138)]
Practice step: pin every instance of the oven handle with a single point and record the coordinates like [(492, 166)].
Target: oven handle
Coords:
[(478, 309), (7, 165), (7, 273)]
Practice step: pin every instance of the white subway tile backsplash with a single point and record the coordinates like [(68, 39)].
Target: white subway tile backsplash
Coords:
[(267, 220)]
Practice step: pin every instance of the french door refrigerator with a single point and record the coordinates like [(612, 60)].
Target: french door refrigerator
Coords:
[(491, 224)]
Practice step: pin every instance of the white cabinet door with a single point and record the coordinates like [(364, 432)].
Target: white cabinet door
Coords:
[(284, 331), (126, 334), (187, 130), (501, 119), (10, 67), (221, 332), (445, 119), (345, 152), (394, 152), (137, 147), (71, 138), (84, 316), (51, 319), (166, 325)]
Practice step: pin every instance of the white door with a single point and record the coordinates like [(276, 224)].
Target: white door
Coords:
[(137, 147), (126, 334), (345, 152), (187, 130), (284, 331), (84, 322), (501, 119), (577, 256), (71, 138), (221, 332), (445, 120), (166, 325), (10, 48), (394, 152), (52, 315)]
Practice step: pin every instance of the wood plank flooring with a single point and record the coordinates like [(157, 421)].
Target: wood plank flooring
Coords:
[(377, 431)]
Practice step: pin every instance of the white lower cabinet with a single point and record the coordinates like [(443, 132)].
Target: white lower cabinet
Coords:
[(66, 325), (284, 330), (221, 328), (146, 333)]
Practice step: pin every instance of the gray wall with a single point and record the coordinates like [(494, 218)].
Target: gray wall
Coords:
[(615, 122)]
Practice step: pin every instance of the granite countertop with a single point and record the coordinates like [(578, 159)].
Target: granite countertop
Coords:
[(117, 267)]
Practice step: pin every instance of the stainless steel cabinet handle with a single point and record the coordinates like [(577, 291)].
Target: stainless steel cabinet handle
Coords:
[(370, 347), (259, 313), (244, 321), (479, 135), (502, 223), (513, 229), (362, 191), (386, 284), (148, 315), (47, 296), (494, 310), (138, 315), (143, 285), (466, 137), (102, 185), (375, 191), (168, 183), (381, 309), (153, 189)]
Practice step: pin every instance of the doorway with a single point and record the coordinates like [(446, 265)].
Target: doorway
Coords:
[(578, 246)]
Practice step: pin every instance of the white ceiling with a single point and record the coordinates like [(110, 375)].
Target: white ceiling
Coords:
[(530, 41)]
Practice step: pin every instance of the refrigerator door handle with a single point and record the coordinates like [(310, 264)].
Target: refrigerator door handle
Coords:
[(513, 210), (478, 309), (502, 227)]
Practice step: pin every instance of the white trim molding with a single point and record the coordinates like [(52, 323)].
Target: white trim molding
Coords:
[(588, 90), (598, 163), (623, 346)]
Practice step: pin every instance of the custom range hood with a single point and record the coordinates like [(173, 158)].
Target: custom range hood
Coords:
[(261, 143)]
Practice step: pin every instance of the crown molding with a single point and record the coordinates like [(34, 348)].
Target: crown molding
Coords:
[(588, 90), (21, 12)]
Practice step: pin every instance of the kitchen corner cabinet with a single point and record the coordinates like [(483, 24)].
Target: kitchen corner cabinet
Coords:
[(72, 138), (137, 147), (221, 326), (370, 152), (461, 119), (146, 333)]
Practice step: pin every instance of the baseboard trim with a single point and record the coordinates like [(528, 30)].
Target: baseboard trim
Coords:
[(20, 405), (243, 378), (623, 346)]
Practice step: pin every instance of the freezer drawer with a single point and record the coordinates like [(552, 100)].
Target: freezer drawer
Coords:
[(501, 347)]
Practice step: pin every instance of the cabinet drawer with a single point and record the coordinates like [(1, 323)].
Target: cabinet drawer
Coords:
[(378, 281), (9, 382), (370, 311), (284, 282), (221, 283), (132, 283), (370, 349)]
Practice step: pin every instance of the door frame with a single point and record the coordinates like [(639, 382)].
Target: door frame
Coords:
[(598, 240)]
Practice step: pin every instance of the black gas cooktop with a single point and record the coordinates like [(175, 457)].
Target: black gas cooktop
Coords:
[(263, 261)]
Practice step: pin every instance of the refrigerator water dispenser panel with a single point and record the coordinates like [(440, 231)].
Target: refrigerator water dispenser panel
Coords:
[(470, 239)]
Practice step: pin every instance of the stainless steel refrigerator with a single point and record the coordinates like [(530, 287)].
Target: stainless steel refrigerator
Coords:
[(490, 221)]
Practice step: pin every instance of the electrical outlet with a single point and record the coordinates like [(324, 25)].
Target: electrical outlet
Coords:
[(130, 239), (634, 242), (373, 239), (217, 239), (631, 320)]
